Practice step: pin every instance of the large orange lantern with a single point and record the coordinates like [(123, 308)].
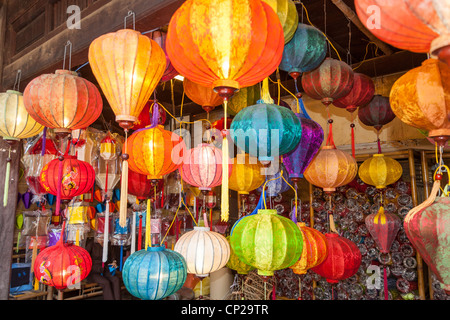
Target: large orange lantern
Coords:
[(63, 101), (206, 97), (420, 98)]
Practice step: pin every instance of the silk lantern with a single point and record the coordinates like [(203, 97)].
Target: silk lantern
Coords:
[(146, 115), (276, 183), (395, 24), (204, 251), (234, 263), (225, 45), (63, 101), (245, 97), (160, 38), (287, 13), (139, 185), (314, 249), (247, 174), (419, 99), (267, 241), (154, 274), (205, 97), (342, 261), (332, 80), (380, 171), (383, 227), (62, 265)]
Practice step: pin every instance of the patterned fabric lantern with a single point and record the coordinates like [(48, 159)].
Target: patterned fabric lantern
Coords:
[(205, 251), (246, 175), (287, 13), (62, 265), (314, 249), (419, 99), (63, 101), (299, 159), (154, 274), (160, 38), (245, 97), (396, 24), (139, 186), (332, 80), (155, 152), (202, 167), (305, 52), (146, 115), (343, 259), (234, 263), (383, 228), (206, 97), (380, 171), (267, 241)]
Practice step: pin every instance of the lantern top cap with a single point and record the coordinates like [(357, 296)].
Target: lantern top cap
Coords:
[(268, 211), (14, 92), (155, 248), (301, 224), (328, 147), (378, 155), (197, 228), (63, 71)]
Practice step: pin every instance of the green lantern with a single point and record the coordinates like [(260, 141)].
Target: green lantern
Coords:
[(234, 263), (245, 97), (267, 241)]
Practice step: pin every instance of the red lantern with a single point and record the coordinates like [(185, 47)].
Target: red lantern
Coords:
[(343, 259), (383, 228), (142, 187), (62, 265), (332, 80), (145, 117), (219, 124)]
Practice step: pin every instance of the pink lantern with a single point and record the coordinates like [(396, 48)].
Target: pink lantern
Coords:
[(383, 228)]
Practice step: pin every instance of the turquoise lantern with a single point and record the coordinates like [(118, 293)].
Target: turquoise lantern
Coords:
[(154, 273)]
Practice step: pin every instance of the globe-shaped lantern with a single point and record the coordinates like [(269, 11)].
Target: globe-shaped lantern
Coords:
[(234, 263), (383, 228), (160, 38), (342, 261), (247, 174), (204, 251), (332, 80), (245, 97), (287, 13), (377, 112), (154, 274), (419, 99), (267, 241), (380, 171), (205, 97), (314, 249), (266, 131), (63, 101)]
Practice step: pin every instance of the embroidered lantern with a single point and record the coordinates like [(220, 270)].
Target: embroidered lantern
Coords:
[(342, 261), (146, 115), (247, 174), (245, 97), (160, 38), (267, 241), (205, 97), (287, 13), (154, 274), (234, 263), (380, 171)]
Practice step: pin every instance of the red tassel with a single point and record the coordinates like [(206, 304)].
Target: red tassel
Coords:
[(274, 297), (140, 233), (58, 194), (386, 294), (353, 140)]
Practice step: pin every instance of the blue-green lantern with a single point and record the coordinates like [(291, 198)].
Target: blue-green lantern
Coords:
[(266, 131), (155, 273)]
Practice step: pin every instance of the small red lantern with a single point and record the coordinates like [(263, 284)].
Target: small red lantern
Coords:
[(343, 259), (141, 187), (361, 94)]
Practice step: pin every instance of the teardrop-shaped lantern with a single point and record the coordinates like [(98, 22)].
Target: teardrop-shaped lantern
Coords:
[(205, 97), (419, 99), (267, 241), (342, 261), (63, 101), (332, 80), (380, 171), (383, 228), (245, 97), (287, 13), (247, 174), (160, 38)]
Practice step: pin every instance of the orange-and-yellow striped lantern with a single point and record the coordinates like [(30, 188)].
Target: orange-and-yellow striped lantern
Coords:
[(205, 97)]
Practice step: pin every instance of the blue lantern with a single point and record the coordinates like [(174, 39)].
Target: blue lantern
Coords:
[(155, 273), (275, 184)]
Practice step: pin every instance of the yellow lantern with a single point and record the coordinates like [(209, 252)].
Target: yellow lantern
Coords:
[(246, 174), (380, 171), (287, 13)]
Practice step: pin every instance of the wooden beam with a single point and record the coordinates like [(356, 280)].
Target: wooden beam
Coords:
[(2, 38), (48, 56)]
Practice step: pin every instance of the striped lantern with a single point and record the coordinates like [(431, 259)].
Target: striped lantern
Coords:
[(245, 97), (287, 13), (205, 97), (377, 112), (234, 263), (383, 228), (154, 274), (205, 251), (361, 94), (246, 175), (380, 171)]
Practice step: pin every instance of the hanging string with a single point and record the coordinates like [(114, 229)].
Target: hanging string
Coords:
[(17, 82), (124, 184), (352, 128), (148, 225), (68, 44), (378, 142), (295, 97), (130, 14)]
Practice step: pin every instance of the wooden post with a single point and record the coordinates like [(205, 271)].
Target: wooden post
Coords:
[(8, 213), (412, 173)]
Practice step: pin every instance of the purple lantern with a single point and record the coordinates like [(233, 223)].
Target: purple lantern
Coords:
[(298, 159)]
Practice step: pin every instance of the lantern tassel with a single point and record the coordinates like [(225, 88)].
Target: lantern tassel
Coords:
[(148, 226), (385, 284), (353, 140), (105, 235), (224, 215), (6, 189), (124, 186), (133, 234)]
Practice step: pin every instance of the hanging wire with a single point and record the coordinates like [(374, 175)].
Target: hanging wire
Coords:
[(17, 82), (130, 14), (349, 55), (68, 44)]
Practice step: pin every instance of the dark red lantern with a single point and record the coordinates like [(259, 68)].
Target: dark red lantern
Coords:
[(145, 117), (62, 265), (141, 187), (343, 259)]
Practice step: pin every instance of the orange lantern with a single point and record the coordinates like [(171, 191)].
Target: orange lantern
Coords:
[(63, 101), (420, 99), (206, 97)]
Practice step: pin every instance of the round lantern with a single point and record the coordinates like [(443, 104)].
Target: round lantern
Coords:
[(361, 94), (377, 113), (62, 265), (419, 99), (255, 128), (154, 274), (332, 80), (15, 122), (297, 160), (202, 167), (331, 168), (380, 171), (205, 97), (160, 38), (267, 241), (234, 263), (305, 52), (63, 101), (205, 251), (314, 249), (139, 185), (245, 97), (77, 177), (395, 24), (155, 152), (383, 228), (343, 259), (287, 13), (247, 174), (145, 117)]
